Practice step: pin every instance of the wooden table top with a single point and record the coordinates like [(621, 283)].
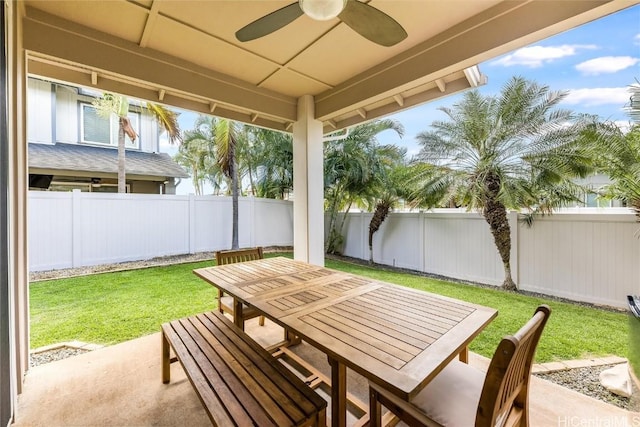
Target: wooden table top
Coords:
[(395, 336)]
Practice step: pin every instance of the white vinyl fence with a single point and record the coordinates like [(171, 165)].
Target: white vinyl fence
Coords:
[(80, 229), (589, 255)]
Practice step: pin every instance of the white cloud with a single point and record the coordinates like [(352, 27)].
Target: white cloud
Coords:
[(536, 56), (589, 97), (606, 65), (624, 125)]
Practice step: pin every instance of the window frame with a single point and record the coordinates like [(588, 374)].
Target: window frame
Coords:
[(134, 116)]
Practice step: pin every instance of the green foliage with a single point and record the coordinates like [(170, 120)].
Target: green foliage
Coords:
[(618, 154), (354, 172), (194, 154), (110, 103), (198, 153), (519, 137), (271, 163)]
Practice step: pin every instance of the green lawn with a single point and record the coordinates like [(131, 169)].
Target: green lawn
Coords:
[(114, 307)]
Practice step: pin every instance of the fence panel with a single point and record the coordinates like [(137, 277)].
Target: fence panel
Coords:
[(81, 229), (272, 221), (115, 227), (397, 242), (585, 257), (589, 255), (459, 244), (212, 223), (50, 230)]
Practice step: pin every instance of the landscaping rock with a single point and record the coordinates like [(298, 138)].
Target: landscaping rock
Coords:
[(617, 380)]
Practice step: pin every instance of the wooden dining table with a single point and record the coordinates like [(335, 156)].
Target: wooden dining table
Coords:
[(397, 337)]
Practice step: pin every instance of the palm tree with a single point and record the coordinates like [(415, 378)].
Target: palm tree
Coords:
[(618, 154), (394, 186), (194, 154), (512, 151), (351, 170), (222, 137), (111, 103), (273, 152), (227, 137)]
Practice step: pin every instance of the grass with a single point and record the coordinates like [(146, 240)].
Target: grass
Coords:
[(114, 307)]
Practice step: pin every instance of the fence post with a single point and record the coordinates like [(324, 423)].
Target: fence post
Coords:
[(422, 240), (76, 221), (364, 248), (252, 222), (192, 223)]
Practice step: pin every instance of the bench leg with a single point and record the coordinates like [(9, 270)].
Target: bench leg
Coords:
[(166, 362)]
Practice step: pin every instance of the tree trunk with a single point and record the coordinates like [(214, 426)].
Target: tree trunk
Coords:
[(382, 210), (234, 196), (333, 213), (122, 179), (495, 213)]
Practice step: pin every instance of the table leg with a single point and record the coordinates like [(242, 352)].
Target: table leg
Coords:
[(464, 355), (166, 368), (338, 393), (237, 313)]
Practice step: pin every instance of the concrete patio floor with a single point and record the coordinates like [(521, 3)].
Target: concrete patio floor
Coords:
[(121, 385)]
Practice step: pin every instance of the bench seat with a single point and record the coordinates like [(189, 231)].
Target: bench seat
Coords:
[(238, 382)]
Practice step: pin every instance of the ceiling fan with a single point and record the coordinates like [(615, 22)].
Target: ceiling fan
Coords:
[(369, 22)]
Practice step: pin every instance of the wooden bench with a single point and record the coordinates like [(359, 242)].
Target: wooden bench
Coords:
[(238, 382)]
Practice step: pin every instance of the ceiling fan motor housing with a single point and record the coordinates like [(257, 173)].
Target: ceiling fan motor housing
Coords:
[(322, 10)]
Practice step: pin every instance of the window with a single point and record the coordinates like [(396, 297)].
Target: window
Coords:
[(96, 129), (595, 201)]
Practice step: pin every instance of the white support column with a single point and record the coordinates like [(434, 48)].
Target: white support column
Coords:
[(308, 185)]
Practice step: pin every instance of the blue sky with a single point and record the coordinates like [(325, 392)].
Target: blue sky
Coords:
[(595, 63)]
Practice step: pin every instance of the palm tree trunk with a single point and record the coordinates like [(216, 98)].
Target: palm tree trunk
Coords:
[(234, 197), (382, 210), (122, 179), (196, 180), (495, 213), (333, 213)]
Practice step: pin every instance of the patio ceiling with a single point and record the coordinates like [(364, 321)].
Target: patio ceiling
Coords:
[(185, 54)]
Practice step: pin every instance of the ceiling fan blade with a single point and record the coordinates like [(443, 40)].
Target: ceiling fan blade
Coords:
[(269, 23), (372, 23)]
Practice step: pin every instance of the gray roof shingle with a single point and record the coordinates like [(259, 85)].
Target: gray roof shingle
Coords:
[(101, 159)]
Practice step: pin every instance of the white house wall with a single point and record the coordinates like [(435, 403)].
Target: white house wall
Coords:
[(67, 125), (40, 102), (67, 115)]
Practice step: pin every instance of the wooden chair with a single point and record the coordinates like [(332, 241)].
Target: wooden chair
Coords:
[(225, 302), (462, 396)]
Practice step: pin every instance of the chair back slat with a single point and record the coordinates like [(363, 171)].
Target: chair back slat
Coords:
[(506, 385), (240, 255)]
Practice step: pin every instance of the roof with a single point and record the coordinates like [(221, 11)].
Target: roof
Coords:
[(101, 159), (156, 53)]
